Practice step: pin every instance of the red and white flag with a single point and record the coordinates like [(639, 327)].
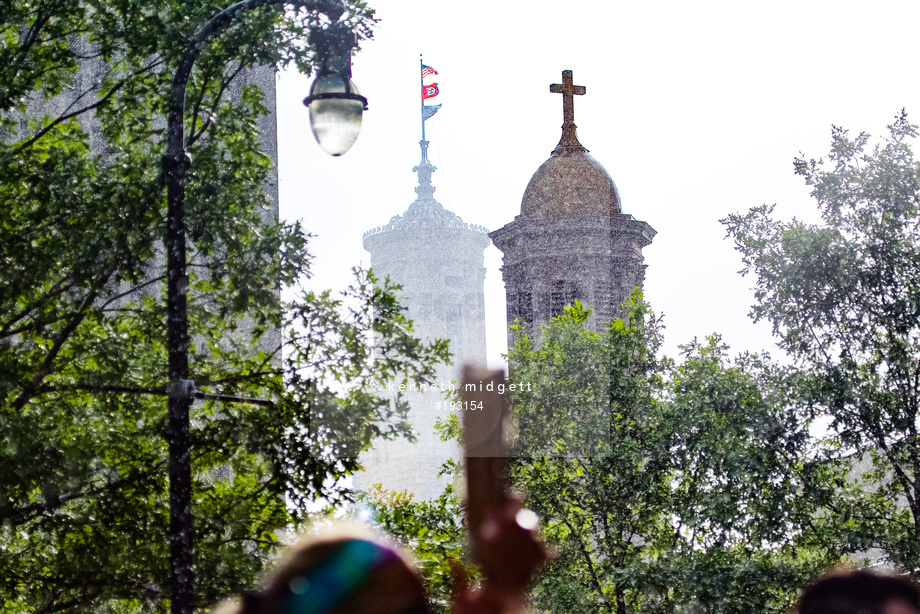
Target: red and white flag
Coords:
[(429, 91)]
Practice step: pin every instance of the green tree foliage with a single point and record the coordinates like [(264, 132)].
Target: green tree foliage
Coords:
[(562, 401), (83, 486), (843, 297), (602, 510), (702, 498), (747, 486)]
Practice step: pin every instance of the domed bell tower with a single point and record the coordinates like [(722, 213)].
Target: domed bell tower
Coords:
[(571, 240)]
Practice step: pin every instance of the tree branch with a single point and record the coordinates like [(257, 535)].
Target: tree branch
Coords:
[(223, 87), (102, 101), (23, 514), (593, 572), (48, 364)]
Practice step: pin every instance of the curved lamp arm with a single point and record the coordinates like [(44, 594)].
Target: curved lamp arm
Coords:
[(174, 119)]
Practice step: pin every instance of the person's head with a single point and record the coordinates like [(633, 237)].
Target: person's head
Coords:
[(338, 571), (860, 592)]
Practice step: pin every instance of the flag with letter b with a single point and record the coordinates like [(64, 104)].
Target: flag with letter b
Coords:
[(429, 91)]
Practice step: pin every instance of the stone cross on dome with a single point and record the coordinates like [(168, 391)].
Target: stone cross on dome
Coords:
[(569, 140)]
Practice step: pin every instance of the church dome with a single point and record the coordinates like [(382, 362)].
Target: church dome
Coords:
[(570, 183)]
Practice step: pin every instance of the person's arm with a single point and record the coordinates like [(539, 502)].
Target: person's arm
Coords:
[(502, 534)]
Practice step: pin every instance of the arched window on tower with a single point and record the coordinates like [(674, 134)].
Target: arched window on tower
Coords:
[(564, 293)]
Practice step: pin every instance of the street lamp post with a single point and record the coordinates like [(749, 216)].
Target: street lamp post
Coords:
[(335, 112)]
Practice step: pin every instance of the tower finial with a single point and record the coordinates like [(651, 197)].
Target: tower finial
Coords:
[(424, 169), (569, 140)]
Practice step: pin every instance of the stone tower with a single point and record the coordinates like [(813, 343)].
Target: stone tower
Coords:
[(438, 261), (571, 240)]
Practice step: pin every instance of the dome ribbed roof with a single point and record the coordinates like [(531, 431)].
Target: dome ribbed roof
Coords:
[(570, 183)]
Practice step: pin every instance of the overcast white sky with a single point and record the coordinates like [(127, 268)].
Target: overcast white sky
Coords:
[(696, 110)]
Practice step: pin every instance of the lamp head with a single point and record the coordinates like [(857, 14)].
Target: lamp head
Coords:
[(336, 107)]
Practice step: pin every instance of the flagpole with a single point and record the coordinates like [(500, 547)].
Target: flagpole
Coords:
[(421, 89)]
